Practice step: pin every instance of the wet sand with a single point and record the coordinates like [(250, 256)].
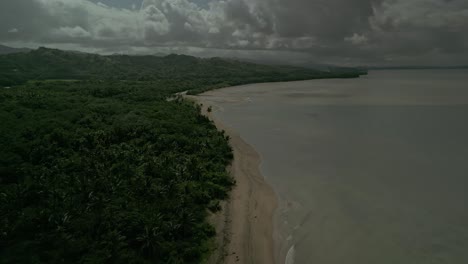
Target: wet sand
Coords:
[(245, 223)]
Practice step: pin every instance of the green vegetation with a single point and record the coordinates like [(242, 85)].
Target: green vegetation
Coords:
[(110, 172), (185, 72), (98, 166)]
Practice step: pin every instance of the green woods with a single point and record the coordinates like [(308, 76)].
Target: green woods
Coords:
[(98, 166), (180, 71)]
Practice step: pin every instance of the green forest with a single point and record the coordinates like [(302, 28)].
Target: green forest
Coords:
[(98, 166)]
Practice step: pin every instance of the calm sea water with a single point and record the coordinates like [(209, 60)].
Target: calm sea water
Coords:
[(369, 170)]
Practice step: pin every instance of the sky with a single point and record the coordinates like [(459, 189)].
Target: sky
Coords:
[(343, 32)]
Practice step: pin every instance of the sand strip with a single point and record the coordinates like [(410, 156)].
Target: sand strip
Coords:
[(245, 225)]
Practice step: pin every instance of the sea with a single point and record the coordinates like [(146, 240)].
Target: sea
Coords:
[(371, 170)]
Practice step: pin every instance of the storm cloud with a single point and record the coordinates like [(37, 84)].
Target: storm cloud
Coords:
[(328, 31)]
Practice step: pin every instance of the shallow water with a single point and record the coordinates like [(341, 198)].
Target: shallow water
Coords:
[(369, 170)]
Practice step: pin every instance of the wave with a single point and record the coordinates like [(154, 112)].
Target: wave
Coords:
[(291, 255)]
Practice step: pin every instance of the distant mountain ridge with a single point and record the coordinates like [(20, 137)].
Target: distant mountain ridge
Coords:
[(416, 67), (45, 64), (309, 65), (8, 50)]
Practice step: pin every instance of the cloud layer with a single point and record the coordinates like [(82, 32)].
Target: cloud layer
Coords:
[(335, 31)]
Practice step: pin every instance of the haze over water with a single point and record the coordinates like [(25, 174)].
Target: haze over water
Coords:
[(369, 170)]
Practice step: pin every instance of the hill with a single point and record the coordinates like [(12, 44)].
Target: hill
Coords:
[(9, 50), (310, 65), (18, 68), (455, 67)]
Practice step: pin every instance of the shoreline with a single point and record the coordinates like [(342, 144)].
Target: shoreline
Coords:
[(245, 225)]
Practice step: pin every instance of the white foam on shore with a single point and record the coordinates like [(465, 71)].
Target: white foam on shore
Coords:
[(290, 256)]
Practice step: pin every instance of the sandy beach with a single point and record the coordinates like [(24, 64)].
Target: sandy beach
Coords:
[(245, 224)]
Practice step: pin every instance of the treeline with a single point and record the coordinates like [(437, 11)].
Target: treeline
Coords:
[(98, 166), (46, 64)]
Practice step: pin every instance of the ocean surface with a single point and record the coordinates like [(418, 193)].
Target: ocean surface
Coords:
[(371, 170)]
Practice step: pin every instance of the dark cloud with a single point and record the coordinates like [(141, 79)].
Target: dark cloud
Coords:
[(329, 19), (338, 31)]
